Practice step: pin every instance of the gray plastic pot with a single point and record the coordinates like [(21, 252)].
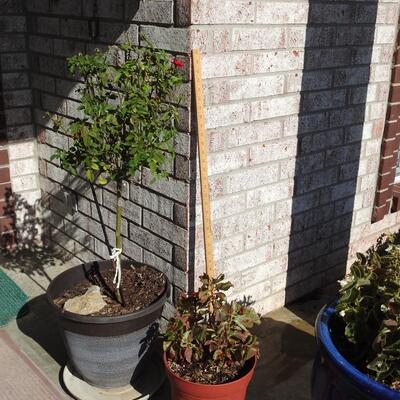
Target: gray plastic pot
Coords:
[(106, 351)]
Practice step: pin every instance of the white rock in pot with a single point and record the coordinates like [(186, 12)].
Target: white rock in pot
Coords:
[(90, 302)]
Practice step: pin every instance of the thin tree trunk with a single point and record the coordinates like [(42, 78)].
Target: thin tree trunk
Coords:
[(118, 243)]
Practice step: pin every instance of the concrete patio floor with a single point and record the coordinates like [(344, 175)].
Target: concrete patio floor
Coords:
[(286, 337)]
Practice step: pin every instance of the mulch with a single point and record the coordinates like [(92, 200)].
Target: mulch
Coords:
[(208, 373)]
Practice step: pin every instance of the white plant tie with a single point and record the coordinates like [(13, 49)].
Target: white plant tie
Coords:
[(116, 256)]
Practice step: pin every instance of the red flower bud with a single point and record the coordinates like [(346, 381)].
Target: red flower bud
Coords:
[(178, 63)]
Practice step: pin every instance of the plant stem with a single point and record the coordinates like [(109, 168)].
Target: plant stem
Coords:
[(118, 243)]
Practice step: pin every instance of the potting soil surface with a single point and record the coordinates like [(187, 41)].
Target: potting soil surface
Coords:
[(141, 286)]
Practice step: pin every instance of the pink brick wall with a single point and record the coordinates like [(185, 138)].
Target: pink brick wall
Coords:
[(296, 95)]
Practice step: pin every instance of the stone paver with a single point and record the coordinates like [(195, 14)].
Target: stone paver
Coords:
[(20, 378)]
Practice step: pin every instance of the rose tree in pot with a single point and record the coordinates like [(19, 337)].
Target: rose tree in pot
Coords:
[(128, 122), (209, 352), (359, 334)]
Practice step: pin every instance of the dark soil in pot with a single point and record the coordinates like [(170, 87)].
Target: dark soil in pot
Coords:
[(208, 373), (141, 286)]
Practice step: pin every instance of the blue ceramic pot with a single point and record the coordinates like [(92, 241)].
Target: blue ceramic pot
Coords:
[(334, 378)]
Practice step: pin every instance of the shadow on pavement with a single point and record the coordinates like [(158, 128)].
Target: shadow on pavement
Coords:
[(31, 262), (36, 320), (287, 352), (308, 307)]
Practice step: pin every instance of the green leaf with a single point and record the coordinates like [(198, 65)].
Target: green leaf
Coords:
[(102, 180), (363, 282), (214, 327), (167, 344), (90, 175), (368, 307), (127, 113)]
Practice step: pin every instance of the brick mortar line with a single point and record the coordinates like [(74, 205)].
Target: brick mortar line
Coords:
[(11, 34), (255, 75), (328, 128), (299, 71), (307, 228), (61, 17), (110, 210), (291, 94), (278, 161), (300, 49), (148, 188), (170, 263), (26, 174), (334, 26), (288, 72), (25, 191), (45, 127), (305, 134), (241, 212), (318, 206), (16, 90), (333, 46)]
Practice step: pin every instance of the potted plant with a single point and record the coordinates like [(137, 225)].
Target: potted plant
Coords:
[(209, 352), (128, 122), (359, 334)]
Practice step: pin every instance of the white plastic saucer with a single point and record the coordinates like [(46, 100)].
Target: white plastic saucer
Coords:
[(145, 385)]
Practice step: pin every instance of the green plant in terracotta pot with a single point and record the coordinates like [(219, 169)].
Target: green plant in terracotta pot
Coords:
[(209, 351), (128, 122)]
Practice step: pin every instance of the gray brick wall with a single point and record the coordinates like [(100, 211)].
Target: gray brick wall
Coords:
[(155, 215), (15, 85), (17, 139)]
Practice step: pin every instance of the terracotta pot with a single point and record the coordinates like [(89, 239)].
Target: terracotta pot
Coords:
[(182, 389)]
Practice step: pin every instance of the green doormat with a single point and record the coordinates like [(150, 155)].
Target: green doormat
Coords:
[(12, 299)]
